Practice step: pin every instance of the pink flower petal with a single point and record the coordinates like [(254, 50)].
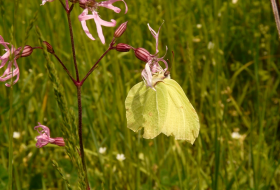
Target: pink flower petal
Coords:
[(102, 22), (4, 43), (45, 129), (109, 4), (4, 61), (9, 73), (5, 56), (16, 73), (83, 17), (99, 22), (147, 75), (42, 140), (155, 36)]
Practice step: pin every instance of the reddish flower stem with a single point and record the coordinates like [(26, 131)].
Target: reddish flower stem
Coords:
[(81, 134), (63, 5), (64, 67), (95, 65), (72, 42), (78, 85)]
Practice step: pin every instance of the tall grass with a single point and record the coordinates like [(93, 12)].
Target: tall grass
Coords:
[(228, 68)]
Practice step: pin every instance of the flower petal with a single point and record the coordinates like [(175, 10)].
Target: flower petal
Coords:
[(4, 61), (45, 129), (147, 75), (15, 73), (99, 22), (9, 73), (155, 35), (109, 4), (83, 17), (166, 64), (43, 140), (4, 43)]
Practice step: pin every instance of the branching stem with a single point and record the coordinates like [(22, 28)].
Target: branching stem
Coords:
[(95, 65)]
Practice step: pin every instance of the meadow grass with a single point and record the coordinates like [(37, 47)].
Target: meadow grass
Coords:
[(225, 58)]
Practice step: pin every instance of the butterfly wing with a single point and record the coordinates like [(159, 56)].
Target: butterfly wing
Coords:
[(182, 120), (166, 110), (146, 108)]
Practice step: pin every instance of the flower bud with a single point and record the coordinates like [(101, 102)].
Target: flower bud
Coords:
[(142, 54), (49, 47), (27, 50), (59, 141), (121, 47), (121, 29)]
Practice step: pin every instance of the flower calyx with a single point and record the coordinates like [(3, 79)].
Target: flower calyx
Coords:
[(49, 47), (120, 30), (88, 4), (143, 54), (121, 47)]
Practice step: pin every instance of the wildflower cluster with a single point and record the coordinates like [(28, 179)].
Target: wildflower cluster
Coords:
[(90, 11)]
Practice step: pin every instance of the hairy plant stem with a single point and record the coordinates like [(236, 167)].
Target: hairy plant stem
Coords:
[(72, 42), (78, 85), (80, 133)]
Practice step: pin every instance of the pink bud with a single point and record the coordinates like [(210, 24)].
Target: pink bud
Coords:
[(49, 47), (27, 50), (121, 29), (58, 141), (121, 47), (142, 54)]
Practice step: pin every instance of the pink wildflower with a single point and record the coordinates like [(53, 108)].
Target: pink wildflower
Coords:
[(91, 5), (9, 72), (44, 138), (152, 66), (12, 72)]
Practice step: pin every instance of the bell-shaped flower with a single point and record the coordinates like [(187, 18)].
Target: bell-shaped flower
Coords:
[(91, 5), (152, 66), (44, 138)]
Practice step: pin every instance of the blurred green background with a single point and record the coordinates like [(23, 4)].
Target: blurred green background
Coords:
[(226, 60)]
